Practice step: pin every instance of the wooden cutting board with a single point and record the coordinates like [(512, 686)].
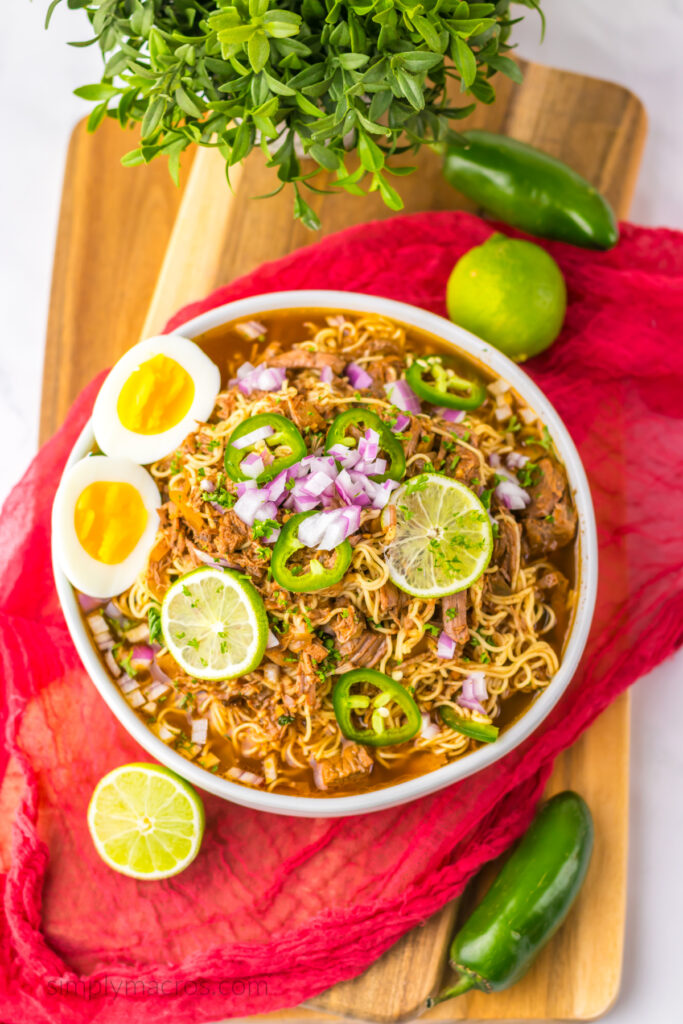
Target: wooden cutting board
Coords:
[(132, 248)]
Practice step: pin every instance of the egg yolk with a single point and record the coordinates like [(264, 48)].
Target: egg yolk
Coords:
[(156, 396), (110, 518)]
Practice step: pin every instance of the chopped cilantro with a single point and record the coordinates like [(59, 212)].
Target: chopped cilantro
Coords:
[(285, 720)]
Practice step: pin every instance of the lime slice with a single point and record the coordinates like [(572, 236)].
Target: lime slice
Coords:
[(214, 623), (443, 539), (145, 821)]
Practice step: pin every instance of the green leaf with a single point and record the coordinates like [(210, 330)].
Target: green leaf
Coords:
[(464, 60), (324, 156), (258, 50), (369, 153), (410, 88), (352, 61), (418, 60), (308, 107), (241, 143), (153, 115), (101, 91), (132, 158), (304, 213), (97, 114), (389, 194), (50, 10), (186, 103), (507, 67)]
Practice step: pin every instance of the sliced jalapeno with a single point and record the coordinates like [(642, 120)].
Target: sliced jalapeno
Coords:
[(375, 709), (316, 576), (481, 731), (442, 386), (365, 419), (284, 435)]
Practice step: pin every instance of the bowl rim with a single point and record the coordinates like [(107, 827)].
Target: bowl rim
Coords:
[(455, 771)]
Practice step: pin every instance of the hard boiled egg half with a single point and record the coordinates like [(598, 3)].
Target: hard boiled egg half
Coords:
[(153, 398), (104, 522)]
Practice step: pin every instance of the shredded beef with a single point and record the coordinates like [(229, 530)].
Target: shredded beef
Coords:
[(302, 359), (364, 651), (351, 764), (305, 414), (507, 547), (550, 519), (454, 613)]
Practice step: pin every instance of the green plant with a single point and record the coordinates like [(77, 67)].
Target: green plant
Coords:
[(332, 75)]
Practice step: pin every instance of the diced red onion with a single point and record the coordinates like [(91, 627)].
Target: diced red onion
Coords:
[(208, 486), (400, 394), (516, 460), (127, 685), (112, 612), (494, 460), (272, 672), (401, 423), (358, 377), (245, 485), (112, 664), (326, 375), (157, 689), (250, 506), (135, 699), (250, 329), (253, 437), (474, 690), (252, 466), (205, 557), (104, 641), (240, 775), (503, 412), (218, 508), (452, 415), (375, 468), (262, 378), (157, 672), (200, 730), (272, 640), (339, 451), (318, 482), (429, 728), (327, 530), (142, 652), (320, 464), (368, 446), (89, 604), (512, 495), (350, 491), (244, 370), (445, 648)]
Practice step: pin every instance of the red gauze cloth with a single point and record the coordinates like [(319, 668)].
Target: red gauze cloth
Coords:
[(276, 909)]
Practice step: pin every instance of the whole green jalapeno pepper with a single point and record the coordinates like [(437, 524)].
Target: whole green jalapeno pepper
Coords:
[(527, 902), (531, 190)]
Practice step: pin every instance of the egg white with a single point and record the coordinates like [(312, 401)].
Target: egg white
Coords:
[(87, 574), (118, 441)]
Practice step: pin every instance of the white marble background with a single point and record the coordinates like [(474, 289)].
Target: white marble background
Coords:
[(630, 41)]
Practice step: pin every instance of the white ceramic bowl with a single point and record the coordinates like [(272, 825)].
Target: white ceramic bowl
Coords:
[(374, 800)]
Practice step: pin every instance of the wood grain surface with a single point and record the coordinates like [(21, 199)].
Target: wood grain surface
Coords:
[(129, 253)]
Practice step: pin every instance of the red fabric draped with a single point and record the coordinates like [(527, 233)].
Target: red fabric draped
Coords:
[(276, 909)]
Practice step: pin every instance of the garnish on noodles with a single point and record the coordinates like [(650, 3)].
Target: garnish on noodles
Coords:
[(412, 563)]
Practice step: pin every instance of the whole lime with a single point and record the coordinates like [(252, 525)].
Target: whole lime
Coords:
[(509, 292)]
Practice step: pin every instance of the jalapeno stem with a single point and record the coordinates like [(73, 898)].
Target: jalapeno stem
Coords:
[(464, 985)]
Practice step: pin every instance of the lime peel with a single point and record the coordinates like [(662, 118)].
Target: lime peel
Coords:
[(442, 540), (145, 821), (214, 623)]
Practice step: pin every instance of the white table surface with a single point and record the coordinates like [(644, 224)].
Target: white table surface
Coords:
[(628, 41)]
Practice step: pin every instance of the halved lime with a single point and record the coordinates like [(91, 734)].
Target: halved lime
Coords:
[(214, 623), (443, 539), (145, 821)]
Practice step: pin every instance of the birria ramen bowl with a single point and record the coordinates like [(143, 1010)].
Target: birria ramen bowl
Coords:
[(337, 555)]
